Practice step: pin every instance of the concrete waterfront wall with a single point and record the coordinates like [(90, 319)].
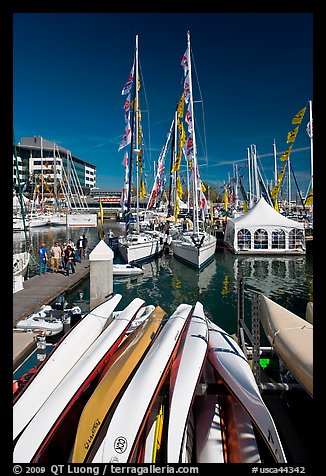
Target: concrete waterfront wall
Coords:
[(101, 274)]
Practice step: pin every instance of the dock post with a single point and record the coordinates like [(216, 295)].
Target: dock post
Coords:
[(100, 274)]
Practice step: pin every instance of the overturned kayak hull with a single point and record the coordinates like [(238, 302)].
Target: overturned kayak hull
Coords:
[(291, 338)]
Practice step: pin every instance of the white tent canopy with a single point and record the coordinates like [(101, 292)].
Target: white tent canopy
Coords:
[(264, 230)]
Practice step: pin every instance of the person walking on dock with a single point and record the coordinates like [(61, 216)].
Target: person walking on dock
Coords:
[(70, 260), (85, 246), (80, 247), (55, 257), (110, 237), (63, 256), (43, 254)]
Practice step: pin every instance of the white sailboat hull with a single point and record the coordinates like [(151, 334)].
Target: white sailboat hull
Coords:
[(137, 247), (82, 220), (20, 263), (64, 356), (186, 250)]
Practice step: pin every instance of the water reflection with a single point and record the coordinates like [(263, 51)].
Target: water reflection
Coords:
[(167, 282)]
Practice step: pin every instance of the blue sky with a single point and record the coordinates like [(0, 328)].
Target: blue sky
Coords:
[(255, 72)]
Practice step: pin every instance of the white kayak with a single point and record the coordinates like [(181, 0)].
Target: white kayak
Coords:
[(58, 363), (227, 358), (185, 374), (37, 435), (291, 338), (129, 418)]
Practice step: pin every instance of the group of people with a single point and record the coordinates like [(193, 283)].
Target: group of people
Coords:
[(68, 255)]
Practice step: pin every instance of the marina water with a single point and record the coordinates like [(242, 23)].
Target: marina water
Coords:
[(287, 280)]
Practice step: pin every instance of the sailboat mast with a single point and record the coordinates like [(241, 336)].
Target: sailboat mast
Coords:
[(42, 184), (137, 150), (195, 166), (275, 163), (311, 144)]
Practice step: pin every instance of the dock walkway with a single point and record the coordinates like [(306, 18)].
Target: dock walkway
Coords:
[(39, 291), (44, 289)]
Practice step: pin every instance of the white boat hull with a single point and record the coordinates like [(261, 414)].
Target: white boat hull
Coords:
[(126, 270), (123, 433), (28, 447), (64, 356), (137, 247), (197, 256), (82, 220), (34, 323), (20, 263)]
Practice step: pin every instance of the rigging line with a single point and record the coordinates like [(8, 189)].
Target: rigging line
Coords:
[(149, 149), (203, 112)]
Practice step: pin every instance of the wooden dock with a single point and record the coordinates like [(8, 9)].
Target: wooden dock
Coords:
[(44, 289), (39, 291)]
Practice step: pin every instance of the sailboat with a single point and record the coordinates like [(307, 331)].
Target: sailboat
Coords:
[(136, 245), (195, 247)]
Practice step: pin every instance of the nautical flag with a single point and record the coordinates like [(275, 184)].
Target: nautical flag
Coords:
[(127, 87), (101, 212), (298, 117), (101, 234), (286, 154), (126, 108), (202, 186), (292, 135), (309, 129), (189, 147), (225, 198), (176, 209), (125, 160), (126, 139), (182, 134), (179, 188), (185, 62), (142, 191), (275, 190), (188, 120), (186, 89), (309, 199), (203, 203), (180, 106), (243, 192)]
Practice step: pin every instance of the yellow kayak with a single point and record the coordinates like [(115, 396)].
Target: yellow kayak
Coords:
[(110, 386)]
